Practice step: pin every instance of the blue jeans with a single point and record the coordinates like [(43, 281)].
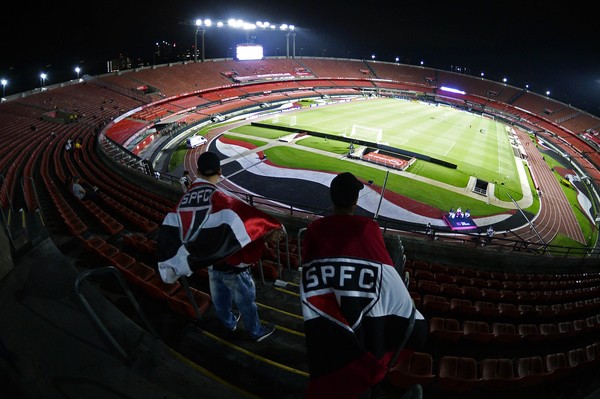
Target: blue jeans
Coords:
[(229, 287)]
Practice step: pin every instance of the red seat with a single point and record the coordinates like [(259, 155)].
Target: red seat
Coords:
[(476, 331), (179, 301), (527, 311), (592, 352), (450, 290), (556, 363), (445, 329), (497, 374), (462, 308), (566, 329), (550, 330), (490, 294), (544, 311), (530, 333), (509, 311), (486, 310), (457, 374), (412, 368), (471, 293), (461, 280), (157, 288), (138, 273), (425, 287), (505, 333), (508, 296), (442, 278), (530, 371), (423, 275), (577, 358), (435, 304), (479, 282)]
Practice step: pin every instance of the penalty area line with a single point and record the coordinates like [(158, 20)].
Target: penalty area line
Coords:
[(448, 150)]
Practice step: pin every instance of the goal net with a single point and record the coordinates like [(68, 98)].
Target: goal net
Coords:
[(366, 133)]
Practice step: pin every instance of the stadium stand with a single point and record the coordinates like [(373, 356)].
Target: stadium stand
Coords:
[(492, 331)]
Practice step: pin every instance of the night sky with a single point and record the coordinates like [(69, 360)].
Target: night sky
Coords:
[(549, 46)]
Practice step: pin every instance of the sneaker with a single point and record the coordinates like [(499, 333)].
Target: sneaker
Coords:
[(267, 330), (237, 319)]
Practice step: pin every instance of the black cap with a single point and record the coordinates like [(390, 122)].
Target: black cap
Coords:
[(209, 164), (344, 189)]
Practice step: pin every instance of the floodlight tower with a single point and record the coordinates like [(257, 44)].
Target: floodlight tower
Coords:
[(200, 29), (291, 33)]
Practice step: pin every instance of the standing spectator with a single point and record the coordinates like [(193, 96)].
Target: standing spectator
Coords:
[(489, 234), (430, 231), (185, 181), (356, 306), (78, 145), (69, 146), (211, 228)]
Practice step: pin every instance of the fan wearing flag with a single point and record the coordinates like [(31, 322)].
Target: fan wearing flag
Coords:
[(212, 228), (356, 307)]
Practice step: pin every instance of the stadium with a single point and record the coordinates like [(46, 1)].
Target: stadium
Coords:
[(518, 315)]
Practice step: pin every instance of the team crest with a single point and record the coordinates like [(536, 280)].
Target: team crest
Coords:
[(342, 290), (193, 210)]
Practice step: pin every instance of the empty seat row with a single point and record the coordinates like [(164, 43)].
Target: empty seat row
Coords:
[(469, 291), (451, 330), (458, 374), (434, 305)]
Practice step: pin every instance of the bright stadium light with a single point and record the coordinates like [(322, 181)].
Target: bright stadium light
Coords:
[(233, 23), (43, 77), (547, 93), (452, 90)]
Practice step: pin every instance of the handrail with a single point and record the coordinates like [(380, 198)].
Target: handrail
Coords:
[(103, 270)]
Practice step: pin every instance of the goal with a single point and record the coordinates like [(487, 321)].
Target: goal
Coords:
[(366, 133)]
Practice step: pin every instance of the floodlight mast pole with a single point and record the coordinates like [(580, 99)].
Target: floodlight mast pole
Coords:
[(200, 29), (293, 35)]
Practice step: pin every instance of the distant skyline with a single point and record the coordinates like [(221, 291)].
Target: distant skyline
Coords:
[(553, 47)]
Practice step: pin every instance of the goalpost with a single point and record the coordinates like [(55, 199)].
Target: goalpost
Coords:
[(366, 133)]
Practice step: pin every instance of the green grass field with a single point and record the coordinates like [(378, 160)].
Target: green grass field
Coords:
[(480, 147)]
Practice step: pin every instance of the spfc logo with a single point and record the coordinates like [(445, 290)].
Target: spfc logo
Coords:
[(193, 210), (342, 290)]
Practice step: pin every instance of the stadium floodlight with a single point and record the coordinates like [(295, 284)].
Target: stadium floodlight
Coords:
[(4, 83), (504, 80), (43, 77), (77, 71), (547, 93), (452, 90), (232, 23)]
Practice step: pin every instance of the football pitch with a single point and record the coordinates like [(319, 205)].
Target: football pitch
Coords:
[(479, 146)]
